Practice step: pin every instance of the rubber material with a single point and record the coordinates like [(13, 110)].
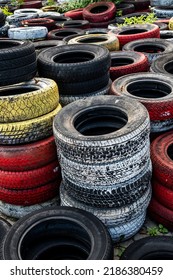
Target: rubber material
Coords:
[(28, 100), (75, 14), (28, 33), (81, 24), (48, 23), (4, 228), (163, 65), (59, 34), (162, 194), (75, 225)]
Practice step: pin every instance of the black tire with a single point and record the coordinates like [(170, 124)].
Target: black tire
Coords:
[(106, 144), (125, 8), (150, 248), (163, 64), (17, 62), (42, 45), (74, 63), (83, 24), (166, 34), (78, 235), (4, 228), (68, 38), (60, 34), (151, 47)]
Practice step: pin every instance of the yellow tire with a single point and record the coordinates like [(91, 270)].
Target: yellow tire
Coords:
[(28, 100), (170, 24), (28, 131), (53, 8), (109, 41)]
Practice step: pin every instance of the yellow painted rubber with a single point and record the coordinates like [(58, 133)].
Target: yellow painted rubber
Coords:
[(28, 131), (50, 8), (170, 24), (109, 41), (39, 97)]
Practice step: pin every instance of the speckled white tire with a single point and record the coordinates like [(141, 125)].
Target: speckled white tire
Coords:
[(103, 148), (16, 19), (17, 211), (66, 99), (127, 230), (111, 217), (28, 33), (4, 29), (163, 13), (161, 3)]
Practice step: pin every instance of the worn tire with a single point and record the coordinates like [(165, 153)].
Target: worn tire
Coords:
[(59, 34), (77, 226), (4, 228), (163, 194), (163, 65)]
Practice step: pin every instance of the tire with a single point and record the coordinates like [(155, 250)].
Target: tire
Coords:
[(139, 5), (27, 11), (19, 211), (30, 179), (31, 4), (162, 194), (161, 25), (108, 41), (163, 65), (130, 33), (78, 226), (161, 214), (28, 100), (167, 34), (162, 12), (28, 33), (76, 14), (152, 48), (157, 101), (111, 217), (118, 195), (150, 248), (127, 62), (15, 20), (81, 24), (161, 3), (59, 34), (101, 148), (104, 24), (45, 44), (28, 131), (99, 12), (4, 30), (48, 23), (29, 156), (88, 62), (66, 99), (4, 228), (125, 8), (161, 155), (97, 31)]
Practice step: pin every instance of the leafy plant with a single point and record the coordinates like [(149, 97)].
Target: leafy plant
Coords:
[(16, 2), (6, 11), (119, 13), (154, 231), (150, 18), (51, 3), (162, 229)]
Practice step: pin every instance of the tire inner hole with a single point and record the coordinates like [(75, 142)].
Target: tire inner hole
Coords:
[(169, 67), (115, 62), (73, 24), (166, 36), (149, 49), (170, 151), (148, 89), (100, 121), (98, 10), (45, 47), (65, 33), (132, 31), (17, 90), (92, 40), (52, 239), (73, 57), (4, 45)]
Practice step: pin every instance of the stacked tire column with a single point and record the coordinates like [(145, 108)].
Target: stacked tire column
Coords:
[(103, 149)]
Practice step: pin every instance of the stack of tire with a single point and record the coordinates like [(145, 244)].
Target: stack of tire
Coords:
[(30, 173), (80, 70), (155, 92), (162, 8), (104, 153), (161, 206), (100, 14)]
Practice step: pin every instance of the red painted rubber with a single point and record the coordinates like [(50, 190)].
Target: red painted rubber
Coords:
[(161, 214), (75, 14), (31, 196), (163, 194), (29, 156), (152, 31), (94, 13), (49, 23), (30, 179), (162, 162), (140, 63), (31, 4)]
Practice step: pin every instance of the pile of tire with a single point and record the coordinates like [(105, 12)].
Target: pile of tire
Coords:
[(154, 91), (161, 206), (104, 153), (80, 70), (59, 233), (30, 173), (162, 8)]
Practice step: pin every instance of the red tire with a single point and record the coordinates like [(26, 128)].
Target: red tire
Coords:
[(75, 14), (130, 33), (163, 194), (30, 179), (49, 23), (162, 159), (99, 12), (31, 4), (28, 156), (30, 196), (127, 62), (161, 214)]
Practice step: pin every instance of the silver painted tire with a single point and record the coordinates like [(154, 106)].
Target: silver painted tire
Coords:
[(28, 33)]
